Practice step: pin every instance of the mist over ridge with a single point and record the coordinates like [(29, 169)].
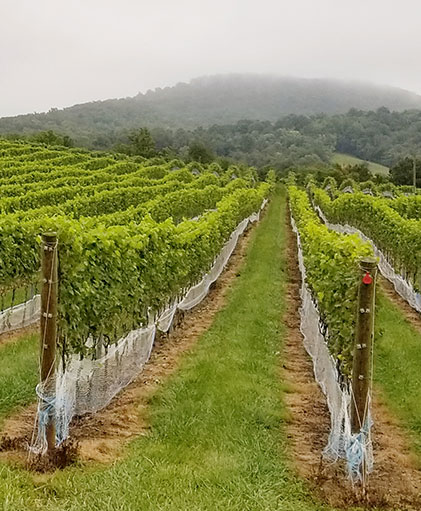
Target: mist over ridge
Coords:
[(257, 93), (208, 100)]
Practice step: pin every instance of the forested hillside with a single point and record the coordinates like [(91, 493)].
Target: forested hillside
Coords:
[(380, 136), (255, 119), (222, 99)]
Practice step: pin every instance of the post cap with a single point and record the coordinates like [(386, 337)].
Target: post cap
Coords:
[(368, 263), (49, 237)]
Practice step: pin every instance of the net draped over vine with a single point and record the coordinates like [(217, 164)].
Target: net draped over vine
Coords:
[(356, 449), (14, 316), (342, 443), (87, 385)]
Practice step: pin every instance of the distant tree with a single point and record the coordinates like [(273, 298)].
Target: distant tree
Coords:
[(198, 151), (50, 137), (67, 141), (359, 172), (163, 138), (142, 143), (402, 172), (379, 179), (224, 163), (168, 153)]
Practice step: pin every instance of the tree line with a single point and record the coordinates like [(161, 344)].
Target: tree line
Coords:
[(390, 138)]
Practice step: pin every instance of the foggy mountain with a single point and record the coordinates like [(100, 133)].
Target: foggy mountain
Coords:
[(229, 98), (210, 100)]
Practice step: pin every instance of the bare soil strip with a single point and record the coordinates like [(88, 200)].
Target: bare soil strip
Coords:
[(101, 437), (15, 335), (395, 482)]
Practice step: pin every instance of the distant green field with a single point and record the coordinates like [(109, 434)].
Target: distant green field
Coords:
[(346, 159)]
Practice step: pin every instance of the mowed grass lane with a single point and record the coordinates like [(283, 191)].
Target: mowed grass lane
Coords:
[(18, 373), (217, 439), (397, 367)]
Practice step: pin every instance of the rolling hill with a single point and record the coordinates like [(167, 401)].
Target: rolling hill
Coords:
[(204, 101)]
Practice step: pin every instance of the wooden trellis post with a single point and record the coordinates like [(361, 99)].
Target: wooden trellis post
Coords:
[(363, 348), (49, 295)]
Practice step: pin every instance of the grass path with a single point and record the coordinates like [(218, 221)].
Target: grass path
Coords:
[(397, 367), (217, 437), (18, 373)]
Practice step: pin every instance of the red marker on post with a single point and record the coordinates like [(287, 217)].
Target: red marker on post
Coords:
[(367, 279)]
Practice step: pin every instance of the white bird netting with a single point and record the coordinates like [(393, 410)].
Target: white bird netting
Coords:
[(87, 386), (21, 315), (356, 449)]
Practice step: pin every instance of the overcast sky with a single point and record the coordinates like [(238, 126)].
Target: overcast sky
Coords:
[(56, 53)]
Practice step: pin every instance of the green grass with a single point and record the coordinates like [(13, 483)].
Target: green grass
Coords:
[(397, 366), (347, 159), (18, 373), (217, 439)]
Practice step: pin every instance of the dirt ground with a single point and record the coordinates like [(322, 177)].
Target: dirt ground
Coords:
[(395, 482), (9, 337), (102, 437)]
